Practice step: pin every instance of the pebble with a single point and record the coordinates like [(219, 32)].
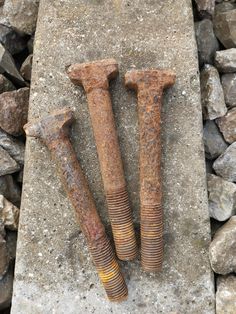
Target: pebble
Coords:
[(14, 111), (229, 88), (26, 68), (225, 24), (7, 65), (221, 198), (225, 164), (7, 164), (205, 7), (4, 258), (226, 295), (9, 214), (213, 103), (22, 14), (11, 40), (207, 42), (5, 85), (6, 286), (223, 248), (214, 142), (225, 60), (14, 147), (227, 125), (10, 189)]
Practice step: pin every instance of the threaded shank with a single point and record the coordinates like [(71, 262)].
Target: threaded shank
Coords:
[(151, 238), (122, 225), (108, 270)]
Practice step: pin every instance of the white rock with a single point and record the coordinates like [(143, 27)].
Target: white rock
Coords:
[(9, 214)]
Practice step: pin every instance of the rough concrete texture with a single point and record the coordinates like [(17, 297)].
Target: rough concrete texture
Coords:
[(54, 273)]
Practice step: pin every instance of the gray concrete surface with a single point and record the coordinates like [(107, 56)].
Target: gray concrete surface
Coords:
[(54, 273)]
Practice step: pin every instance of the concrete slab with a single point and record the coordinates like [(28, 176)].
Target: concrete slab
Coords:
[(54, 273)]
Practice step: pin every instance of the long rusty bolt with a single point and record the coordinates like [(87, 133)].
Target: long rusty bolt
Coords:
[(53, 130), (149, 85), (94, 77)]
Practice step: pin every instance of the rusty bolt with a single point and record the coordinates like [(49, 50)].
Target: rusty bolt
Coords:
[(94, 77), (53, 130), (149, 85)]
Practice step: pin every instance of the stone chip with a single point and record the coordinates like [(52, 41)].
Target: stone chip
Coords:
[(221, 198), (229, 88), (4, 258), (223, 248), (227, 125), (205, 7), (226, 294), (10, 189), (7, 164), (9, 214), (225, 60)]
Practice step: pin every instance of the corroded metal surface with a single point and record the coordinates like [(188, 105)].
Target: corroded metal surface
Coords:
[(94, 77), (149, 85), (53, 131)]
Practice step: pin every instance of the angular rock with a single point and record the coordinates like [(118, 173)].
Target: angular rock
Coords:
[(7, 65), (226, 295), (213, 103), (221, 198), (225, 60), (207, 42), (22, 14), (14, 147), (10, 189), (223, 248), (7, 164), (11, 40), (214, 142), (205, 7), (225, 164), (4, 258), (6, 286), (5, 85), (227, 125), (26, 68), (229, 88), (225, 24), (9, 214), (14, 110)]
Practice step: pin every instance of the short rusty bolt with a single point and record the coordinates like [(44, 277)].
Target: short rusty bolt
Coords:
[(149, 85), (94, 77), (53, 130)]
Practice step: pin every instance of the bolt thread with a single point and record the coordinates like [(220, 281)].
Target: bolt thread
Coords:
[(122, 225), (108, 270), (151, 237)]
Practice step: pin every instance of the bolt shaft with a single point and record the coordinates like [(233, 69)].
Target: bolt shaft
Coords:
[(94, 78), (149, 85), (53, 131)]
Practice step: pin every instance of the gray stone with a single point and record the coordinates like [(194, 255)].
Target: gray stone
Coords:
[(225, 24), (221, 198), (225, 164), (9, 214), (20, 176), (5, 85), (214, 142), (223, 248), (227, 125), (225, 60), (4, 258), (226, 295), (6, 285), (22, 14), (54, 272), (229, 88), (7, 65), (14, 110), (213, 103), (11, 239), (207, 43), (205, 7), (7, 164), (26, 68), (14, 147), (10, 189), (11, 40)]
